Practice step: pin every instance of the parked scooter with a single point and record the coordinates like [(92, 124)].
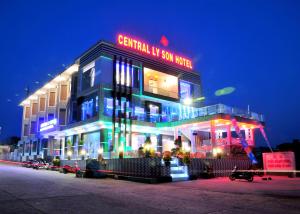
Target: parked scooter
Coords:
[(247, 175), (40, 164)]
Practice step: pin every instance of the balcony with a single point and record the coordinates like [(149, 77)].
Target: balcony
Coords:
[(186, 112)]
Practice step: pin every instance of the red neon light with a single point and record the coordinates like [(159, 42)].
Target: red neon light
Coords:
[(164, 41), (145, 48)]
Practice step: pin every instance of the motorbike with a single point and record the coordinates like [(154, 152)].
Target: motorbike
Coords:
[(40, 164), (235, 174)]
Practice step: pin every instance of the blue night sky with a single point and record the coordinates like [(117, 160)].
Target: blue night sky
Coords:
[(250, 45)]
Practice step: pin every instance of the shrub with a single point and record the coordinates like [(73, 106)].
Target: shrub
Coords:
[(167, 156), (56, 162), (121, 155), (141, 152), (186, 158)]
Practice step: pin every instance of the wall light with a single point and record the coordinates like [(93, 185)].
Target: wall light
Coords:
[(187, 101)]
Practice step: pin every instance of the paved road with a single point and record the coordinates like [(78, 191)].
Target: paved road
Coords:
[(25, 190)]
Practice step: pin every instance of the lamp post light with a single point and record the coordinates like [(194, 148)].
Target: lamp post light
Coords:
[(121, 151), (69, 154), (100, 150), (82, 153), (100, 154)]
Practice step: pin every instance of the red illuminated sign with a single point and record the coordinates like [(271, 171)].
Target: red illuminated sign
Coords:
[(143, 47), (277, 161)]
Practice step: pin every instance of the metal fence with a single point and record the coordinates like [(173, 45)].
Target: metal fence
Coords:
[(153, 167)]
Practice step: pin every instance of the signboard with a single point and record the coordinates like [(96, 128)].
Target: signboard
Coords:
[(279, 161), (48, 125), (147, 49)]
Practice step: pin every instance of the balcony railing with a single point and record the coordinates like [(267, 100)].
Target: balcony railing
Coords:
[(186, 112)]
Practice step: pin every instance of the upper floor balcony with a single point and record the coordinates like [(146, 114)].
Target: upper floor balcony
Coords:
[(182, 113)]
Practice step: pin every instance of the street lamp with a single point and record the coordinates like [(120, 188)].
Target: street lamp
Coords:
[(69, 154), (83, 152), (100, 150)]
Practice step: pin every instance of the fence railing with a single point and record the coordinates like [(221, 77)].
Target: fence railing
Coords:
[(188, 112)]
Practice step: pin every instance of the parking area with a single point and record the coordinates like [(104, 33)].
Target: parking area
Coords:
[(24, 190)]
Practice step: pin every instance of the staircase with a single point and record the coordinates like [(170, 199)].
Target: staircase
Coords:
[(178, 173)]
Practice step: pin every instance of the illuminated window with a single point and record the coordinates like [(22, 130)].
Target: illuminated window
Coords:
[(88, 76), (108, 106), (34, 108), (63, 92), (125, 74), (87, 110), (52, 99), (185, 90), (97, 103), (27, 112), (160, 83), (42, 104)]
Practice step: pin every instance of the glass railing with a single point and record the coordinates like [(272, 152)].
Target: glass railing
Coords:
[(186, 112)]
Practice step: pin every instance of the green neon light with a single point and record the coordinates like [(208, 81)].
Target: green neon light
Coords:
[(148, 97), (199, 99)]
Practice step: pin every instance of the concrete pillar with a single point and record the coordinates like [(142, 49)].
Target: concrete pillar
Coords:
[(213, 133), (252, 136), (175, 133), (228, 134), (193, 142), (62, 146)]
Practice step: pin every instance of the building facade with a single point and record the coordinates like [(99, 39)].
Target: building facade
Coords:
[(115, 97)]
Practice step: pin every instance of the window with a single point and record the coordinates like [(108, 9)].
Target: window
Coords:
[(33, 127), (42, 104), (34, 108), (185, 90), (160, 83), (50, 116), (108, 106), (52, 99), (97, 104), (74, 112), (74, 85), (27, 112), (88, 76), (87, 109), (26, 130), (63, 92), (34, 146), (62, 116), (136, 78), (41, 120), (125, 75)]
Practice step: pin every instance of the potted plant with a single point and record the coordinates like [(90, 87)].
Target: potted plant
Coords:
[(121, 155), (141, 153), (167, 158), (56, 162), (147, 147), (186, 158)]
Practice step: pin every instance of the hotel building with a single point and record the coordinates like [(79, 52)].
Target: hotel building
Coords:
[(116, 96)]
